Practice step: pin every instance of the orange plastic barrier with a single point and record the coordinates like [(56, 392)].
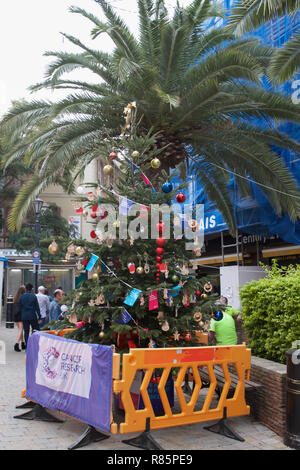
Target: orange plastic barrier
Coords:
[(184, 359)]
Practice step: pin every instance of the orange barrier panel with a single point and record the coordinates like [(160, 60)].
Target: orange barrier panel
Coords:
[(184, 359), (59, 332)]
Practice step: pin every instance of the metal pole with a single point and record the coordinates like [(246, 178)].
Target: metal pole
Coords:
[(36, 271)]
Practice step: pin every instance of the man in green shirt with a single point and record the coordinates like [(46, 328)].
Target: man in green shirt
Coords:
[(222, 327)]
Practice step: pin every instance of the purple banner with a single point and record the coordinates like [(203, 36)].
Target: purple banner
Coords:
[(72, 377)]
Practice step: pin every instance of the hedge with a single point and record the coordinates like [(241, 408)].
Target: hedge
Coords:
[(271, 312)]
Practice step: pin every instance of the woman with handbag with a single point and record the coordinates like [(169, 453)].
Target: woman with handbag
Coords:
[(18, 319)]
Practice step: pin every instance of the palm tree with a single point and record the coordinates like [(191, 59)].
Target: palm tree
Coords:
[(247, 15), (195, 87)]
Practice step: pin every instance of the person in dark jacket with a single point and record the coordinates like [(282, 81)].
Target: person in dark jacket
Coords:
[(18, 319), (30, 311)]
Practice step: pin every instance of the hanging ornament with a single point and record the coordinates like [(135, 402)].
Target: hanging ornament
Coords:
[(184, 270), (101, 334), (159, 251), (208, 287), (112, 155), (53, 248), (152, 344), (135, 154), (188, 337), (197, 317), (160, 242), (175, 278), (139, 270), (93, 234), (198, 293), (142, 301), (155, 163), (180, 197), (80, 190), (109, 243), (160, 227), (167, 187), (92, 303), (193, 224), (101, 299), (107, 170), (165, 326), (176, 336), (203, 296), (131, 267), (95, 277), (91, 196), (94, 215)]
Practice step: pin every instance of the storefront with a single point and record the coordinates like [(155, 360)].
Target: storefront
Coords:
[(20, 271)]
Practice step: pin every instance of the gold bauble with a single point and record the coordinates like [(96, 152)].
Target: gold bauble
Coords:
[(53, 248), (155, 163), (101, 334), (95, 276), (135, 154), (107, 170), (201, 323), (203, 296), (139, 270), (78, 250)]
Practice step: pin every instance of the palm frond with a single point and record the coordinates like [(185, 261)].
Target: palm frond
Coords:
[(286, 61)]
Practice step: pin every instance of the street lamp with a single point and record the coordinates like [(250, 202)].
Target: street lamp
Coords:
[(37, 207)]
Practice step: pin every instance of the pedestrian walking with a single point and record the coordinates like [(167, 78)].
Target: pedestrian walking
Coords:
[(55, 308), (44, 304), (18, 319), (30, 311)]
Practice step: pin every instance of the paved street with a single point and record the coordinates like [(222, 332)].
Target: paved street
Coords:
[(35, 435)]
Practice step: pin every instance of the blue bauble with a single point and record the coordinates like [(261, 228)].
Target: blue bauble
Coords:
[(218, 315), (167, 187)]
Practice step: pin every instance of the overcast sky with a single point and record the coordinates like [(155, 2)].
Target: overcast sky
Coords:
[(28, 28)]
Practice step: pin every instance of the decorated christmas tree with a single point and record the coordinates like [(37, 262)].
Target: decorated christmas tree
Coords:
[(141, 290)]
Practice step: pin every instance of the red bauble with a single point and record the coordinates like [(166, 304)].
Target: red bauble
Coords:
[(160, 242), (103, 215), (160, 227), (85, 262), (95, 208), (198, 293), (93, 234), (180, 197), (158, 265), (188, 337), (158, 258), (159, 251), (132, 268), (113, 156), (93, 215), (163, 267)]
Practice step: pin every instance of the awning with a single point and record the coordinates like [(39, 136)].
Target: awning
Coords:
[(4, 260), (281, 251)]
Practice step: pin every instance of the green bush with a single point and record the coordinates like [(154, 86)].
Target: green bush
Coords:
[(271, 312)]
